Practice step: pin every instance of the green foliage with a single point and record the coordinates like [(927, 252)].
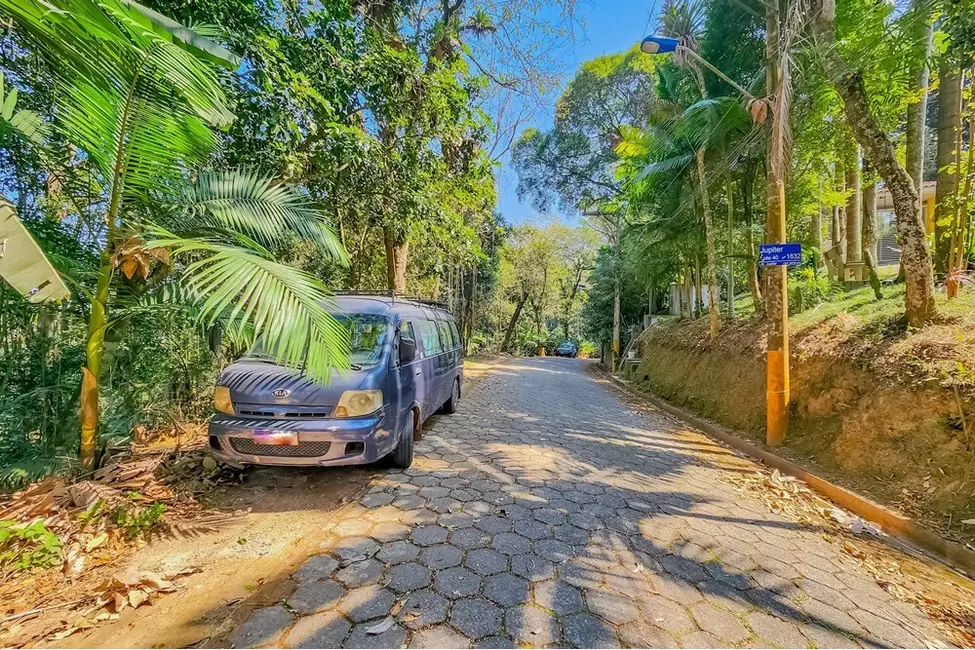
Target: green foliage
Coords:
[(27, 546), (807, 291), (137, 520)]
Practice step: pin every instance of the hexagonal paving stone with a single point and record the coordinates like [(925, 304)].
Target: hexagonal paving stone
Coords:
[(511, 544), (389, 531), (553, 550), (666, 614), (497, 498), (353, 549), (612, 607), (571, 535), (364, 603), (423, 608), (532, 626), (468, 538), (560, 597), (441, 556), (532, 567), (439, 636), (549, 516), (506, 589), (457, 582), (720, 623), (360, 637), (493, 524), (396, 552), (376, 500), (454, 520), (318, 567), (776, 631), (360, 573), (321, 631), (534, 530), (641, 635), (486, 561), (408, 577), (476, 618), (701, 639), (264, 627), (312, 597), (585, 631), (429, 535), (410, 502), (352, 528), (495, 642)]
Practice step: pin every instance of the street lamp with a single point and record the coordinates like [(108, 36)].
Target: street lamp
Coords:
[(777, 358), (666, 44)]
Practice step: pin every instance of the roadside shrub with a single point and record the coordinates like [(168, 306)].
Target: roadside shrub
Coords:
[(28, 546), (807, 291), (588, 350)]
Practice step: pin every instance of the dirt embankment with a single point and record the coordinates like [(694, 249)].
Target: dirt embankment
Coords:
[(886, 413)]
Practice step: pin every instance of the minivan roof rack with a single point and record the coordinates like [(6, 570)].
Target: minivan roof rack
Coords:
[(394, 296)]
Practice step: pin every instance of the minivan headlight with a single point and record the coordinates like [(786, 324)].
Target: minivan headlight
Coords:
[(221, 400), (354, 403)]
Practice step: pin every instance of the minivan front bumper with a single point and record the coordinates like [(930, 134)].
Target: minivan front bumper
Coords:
[(333, 441)]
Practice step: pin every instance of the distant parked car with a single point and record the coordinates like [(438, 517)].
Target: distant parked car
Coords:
[(567, 349), (406, 363)]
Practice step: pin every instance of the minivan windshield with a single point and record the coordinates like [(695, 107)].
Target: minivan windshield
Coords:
[(367, 339)]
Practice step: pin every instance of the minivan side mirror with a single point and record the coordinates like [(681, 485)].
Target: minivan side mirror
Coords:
[(407, 350)]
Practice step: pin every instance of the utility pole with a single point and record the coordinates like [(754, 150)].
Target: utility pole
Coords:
[(777, 303)]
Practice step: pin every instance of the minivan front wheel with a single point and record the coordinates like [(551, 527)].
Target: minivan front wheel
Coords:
[(450, 406), (402, 456)]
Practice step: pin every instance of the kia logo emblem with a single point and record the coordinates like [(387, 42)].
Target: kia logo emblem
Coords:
[(281, 393)]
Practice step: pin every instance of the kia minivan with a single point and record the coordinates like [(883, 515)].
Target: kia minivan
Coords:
[(406, 364)]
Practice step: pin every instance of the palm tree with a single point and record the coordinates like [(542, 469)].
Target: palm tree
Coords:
[(137, 96)]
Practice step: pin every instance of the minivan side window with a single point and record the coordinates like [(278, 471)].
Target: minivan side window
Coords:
[(446, 336), (431, 339), (454, 333), (406, 333)]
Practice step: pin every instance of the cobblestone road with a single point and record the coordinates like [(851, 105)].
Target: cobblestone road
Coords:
[(548, 513)]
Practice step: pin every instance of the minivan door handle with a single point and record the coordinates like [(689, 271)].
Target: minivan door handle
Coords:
[(419, 371)]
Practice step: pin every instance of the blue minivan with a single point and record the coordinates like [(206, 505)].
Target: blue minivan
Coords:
[(406, 364)]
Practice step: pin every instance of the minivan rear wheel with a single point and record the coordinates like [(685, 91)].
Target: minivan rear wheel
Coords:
[(402, 456), (450, 406)]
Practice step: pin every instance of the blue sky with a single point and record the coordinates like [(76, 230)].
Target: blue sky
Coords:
[(610, 26)]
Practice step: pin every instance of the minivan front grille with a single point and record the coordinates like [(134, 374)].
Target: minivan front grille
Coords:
[(303, 415), (309, 449)]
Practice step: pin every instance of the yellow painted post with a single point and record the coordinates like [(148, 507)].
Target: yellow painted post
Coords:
[(777, 304)]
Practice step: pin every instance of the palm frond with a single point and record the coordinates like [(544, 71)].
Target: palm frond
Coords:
[(249, 203), (286, 307)]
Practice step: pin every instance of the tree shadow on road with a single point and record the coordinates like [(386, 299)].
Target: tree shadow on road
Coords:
[(545, 512)]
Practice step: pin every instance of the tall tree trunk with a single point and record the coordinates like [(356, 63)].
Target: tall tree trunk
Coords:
[(854, 243), (870, 228), (838, 226), (91, 373), (729, 190), (958, 256), (917, 110), (753, 285), (816, 237), (949, 126), (698, 288), (514, 321), (711, 248), (397, 250), (919, 293)]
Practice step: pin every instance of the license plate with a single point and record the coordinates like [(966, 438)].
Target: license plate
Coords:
[(285, 438)]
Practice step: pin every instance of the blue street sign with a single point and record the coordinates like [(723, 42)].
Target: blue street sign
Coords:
[(779, 254)]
